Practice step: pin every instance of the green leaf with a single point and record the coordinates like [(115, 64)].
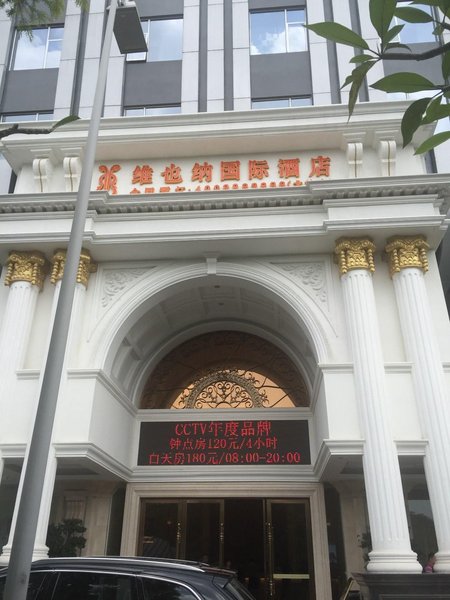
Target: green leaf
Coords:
[(360, 58), (404, 82), (445, 66), (413, 15), (357, 78), (339, 34), (412, 119), (433, 141), (436, 111), (443, 5), (66, 120), (392, 33), (381, 15)]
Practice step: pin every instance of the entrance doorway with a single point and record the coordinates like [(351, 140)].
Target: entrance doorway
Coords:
[(267, 541)]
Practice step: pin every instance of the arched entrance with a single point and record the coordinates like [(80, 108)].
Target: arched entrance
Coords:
[(266, 540)]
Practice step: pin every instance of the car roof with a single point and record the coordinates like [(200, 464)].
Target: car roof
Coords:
[(132, 564)]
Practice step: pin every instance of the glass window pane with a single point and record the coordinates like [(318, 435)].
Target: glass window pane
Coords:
[(134, 112), (53, 54), (165, 590), (165, 40), (18, 118), (34, 585), (301, 102), (413, 33), (273, 103), (296, 38), (56, 33), (295, 16), (45, 116), (163, 110), (267, 31), (94, 586), (30, 53)]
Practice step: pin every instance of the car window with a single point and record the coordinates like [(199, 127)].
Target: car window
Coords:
[(239, 591), (34, 585), (94, 586), (155, 589)]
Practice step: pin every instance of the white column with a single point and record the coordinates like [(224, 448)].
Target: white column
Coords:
[(25, 276), (408, 263), (86, 266), (391, 548)]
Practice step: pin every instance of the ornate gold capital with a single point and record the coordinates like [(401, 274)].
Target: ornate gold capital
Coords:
[(26, 266), (354, 253), (406, 252), (86, 266)]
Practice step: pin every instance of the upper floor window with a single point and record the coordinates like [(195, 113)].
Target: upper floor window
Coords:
[(38, 49), (164, 39), (415, 33), (21, 117), (142, 111), (278, 31), (281, 102)]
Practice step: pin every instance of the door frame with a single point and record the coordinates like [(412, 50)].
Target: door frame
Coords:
[(231, 489)]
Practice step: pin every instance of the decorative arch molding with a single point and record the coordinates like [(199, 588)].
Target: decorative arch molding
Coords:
[(308, 374), (225, 369), (107, 335)]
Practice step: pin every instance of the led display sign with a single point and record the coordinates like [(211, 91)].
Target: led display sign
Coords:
[(224, 443)]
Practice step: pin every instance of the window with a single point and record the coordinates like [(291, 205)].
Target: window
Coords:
[(164, 39), (281, 102), (34, 585), (414, 33), (21, 117), (155, 589), (142, 111), (40, 51), (94, 586), (277, 31)]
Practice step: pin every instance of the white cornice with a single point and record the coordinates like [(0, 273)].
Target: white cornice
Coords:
[(314, 127)]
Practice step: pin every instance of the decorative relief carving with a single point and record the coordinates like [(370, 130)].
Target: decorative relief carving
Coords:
[(116, 281), (407, 252), (311, 275), (26, 266), (387, 152), (354, 158), (42, 172), (354, 253), (86, 266), (72, 171)]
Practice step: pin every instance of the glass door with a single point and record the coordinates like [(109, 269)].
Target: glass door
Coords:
[(203, 531), (288, 550)]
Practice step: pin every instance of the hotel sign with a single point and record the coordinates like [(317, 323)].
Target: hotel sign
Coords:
[(224, 443), (199, 175)]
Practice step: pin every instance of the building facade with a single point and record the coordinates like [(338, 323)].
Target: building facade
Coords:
[(257, 366)]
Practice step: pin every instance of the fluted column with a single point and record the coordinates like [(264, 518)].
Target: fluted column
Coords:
[(25, 278), (391, 548), (408, 264), (86, 267)]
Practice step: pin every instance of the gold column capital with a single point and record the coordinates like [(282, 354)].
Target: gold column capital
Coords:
[(86, 266), (406, 252), (354, 253), (26, 266)]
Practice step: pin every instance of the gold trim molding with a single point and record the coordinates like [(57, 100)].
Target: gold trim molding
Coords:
[(406, 252), (26, 266), (86, 266), (354, 253)]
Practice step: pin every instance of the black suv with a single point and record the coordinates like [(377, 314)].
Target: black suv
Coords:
[(129, 579)]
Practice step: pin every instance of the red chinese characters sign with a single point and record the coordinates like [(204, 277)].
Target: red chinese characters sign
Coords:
[(204, 176), (224, 443)]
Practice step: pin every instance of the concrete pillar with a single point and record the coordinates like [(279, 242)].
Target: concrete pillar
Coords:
[(408, 263), (391, 548)]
